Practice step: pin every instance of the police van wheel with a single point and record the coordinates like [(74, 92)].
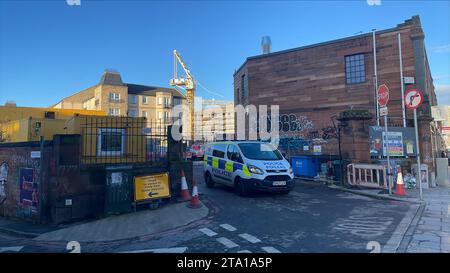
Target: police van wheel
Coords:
[(240, 188), (208, 180)]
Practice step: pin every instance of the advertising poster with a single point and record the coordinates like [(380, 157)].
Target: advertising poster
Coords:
[(28, 190), (151, 187), (401, 141), (317, 149), (394, 144)]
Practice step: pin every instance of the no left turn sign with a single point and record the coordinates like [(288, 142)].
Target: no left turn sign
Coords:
[(413, 99)]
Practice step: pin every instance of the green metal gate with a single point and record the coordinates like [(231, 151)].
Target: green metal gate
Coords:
[(119, 192)]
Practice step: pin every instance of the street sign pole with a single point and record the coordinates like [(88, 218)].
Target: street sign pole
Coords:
[(413, 99), (387, 153), (419, 176), (382, 101)]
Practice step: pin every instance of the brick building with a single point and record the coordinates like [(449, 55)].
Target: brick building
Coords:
[(319, 84)]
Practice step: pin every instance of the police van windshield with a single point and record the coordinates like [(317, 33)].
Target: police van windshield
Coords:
[(260, 151)]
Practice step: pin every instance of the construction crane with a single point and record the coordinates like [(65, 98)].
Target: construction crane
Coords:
[(188, 83)]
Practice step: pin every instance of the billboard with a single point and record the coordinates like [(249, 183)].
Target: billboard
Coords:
[(400, 141), (153, 186)]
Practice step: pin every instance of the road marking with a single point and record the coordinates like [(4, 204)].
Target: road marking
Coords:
[(228, 227), (158, 250), (11, 249), (208, 232), (244, 251), (270, 249), (227, 242), (252, 239)]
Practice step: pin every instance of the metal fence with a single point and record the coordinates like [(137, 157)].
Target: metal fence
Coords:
[(123, 140)]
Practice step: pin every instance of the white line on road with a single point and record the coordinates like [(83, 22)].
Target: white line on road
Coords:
[(11, 249), (244, 251), (227, 242), (228, 227), (270, 249), (158, 250), (252, 239), (208, 232)]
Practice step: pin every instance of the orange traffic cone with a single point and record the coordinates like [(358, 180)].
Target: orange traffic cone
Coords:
[(195, 202), (400, 190), (185, 195)]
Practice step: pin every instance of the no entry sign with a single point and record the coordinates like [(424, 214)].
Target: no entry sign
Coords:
[(383, 95), (413, 99)]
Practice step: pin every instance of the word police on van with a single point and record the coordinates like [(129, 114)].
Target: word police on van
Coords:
[(247, 166)]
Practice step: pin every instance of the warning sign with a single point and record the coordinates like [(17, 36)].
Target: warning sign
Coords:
[(151, 187)]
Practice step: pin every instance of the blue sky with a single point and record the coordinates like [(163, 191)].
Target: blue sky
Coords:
[(49, 50)]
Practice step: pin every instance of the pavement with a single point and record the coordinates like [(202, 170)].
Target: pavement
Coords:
[(432, 231), (128, 226)]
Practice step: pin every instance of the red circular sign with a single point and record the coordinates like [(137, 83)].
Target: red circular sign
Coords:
[(383, 95), (413, 99)]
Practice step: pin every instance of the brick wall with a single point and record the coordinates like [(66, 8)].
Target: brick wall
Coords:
[(309, 83)]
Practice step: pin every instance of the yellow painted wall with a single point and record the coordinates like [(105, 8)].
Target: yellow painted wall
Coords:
[(28, 129), (11, 113)]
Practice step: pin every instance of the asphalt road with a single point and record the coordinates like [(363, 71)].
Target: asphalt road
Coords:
[(309, 219)]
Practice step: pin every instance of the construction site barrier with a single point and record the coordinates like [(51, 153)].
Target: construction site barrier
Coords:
[(367, 175)]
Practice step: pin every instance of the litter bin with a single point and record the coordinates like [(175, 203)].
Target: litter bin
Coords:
[(305, 166)]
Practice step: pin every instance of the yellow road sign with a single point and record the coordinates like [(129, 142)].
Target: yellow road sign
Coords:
[(153, 186)]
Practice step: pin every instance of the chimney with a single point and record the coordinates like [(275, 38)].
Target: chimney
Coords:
[(266, 45)]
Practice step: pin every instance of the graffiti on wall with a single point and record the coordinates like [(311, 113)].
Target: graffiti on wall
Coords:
[(3, 181), (28, 193), (292, 123)]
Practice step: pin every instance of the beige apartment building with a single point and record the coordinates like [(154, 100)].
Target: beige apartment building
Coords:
[(441, 115), (117, 98), (214, 119)]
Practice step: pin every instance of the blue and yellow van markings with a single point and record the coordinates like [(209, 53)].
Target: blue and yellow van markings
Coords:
[(226, 165)]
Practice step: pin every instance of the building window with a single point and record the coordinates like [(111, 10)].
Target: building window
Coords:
[(144, 100), (160, 100), (160, 115), (115, 97), (166, 116), (132, 99), (244, 90), (114, 111), (176, 101), (355, 70), (166, 102), (110, 142), (144, 114), (132, 113)]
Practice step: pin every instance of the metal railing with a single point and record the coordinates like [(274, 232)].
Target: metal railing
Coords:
[(122, 140), (367, 175)]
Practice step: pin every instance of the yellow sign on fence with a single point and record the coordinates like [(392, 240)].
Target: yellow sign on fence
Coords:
[(151, 187)]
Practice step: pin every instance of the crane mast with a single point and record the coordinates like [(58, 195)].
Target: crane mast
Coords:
[(188, 83)]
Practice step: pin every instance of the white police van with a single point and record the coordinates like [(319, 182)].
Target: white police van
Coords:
[(247, 166)]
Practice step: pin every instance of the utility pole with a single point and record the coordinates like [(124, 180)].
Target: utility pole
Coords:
[(402, 81), (375, 77)]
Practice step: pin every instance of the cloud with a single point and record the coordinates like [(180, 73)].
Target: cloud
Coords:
[(442, 49), (442, 93), (373, 2)]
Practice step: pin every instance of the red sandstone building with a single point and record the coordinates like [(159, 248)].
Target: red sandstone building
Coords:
[(319, 84)]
